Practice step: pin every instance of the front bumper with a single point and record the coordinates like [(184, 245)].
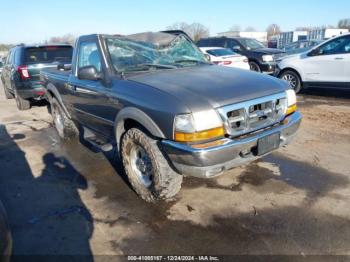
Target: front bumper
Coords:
[(268, 68), (213, 161)]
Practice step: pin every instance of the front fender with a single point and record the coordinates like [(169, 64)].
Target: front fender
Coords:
[(139, 116), (50, 87)]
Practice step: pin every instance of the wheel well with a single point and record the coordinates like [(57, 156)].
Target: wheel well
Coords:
[(130, 123), (254, 60), (50, 95), (127, 124), (293, 70)]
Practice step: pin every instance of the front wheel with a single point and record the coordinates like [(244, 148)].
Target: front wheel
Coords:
[(147, 169), (293, 79), (254, 67)]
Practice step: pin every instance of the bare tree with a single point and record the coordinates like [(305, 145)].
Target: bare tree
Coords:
[(65, 39), (272, 30), (236, 28), (344, 23), (250, 29), (178, 26), (195, 30)]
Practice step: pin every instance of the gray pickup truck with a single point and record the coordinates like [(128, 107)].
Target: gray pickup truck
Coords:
[(166, 110)]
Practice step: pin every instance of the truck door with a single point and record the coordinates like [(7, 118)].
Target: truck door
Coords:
[(90, 99)]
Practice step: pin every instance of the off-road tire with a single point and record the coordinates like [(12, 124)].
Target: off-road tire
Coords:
[(22, 104), (65, 129), (298, 84), (254, 67), (8, 94), (166, 183)]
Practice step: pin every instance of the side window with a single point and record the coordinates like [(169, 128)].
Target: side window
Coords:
[(347, 45), (89, 55), (17, 57), (218, 42), (8, 57), (203, 42), (233, 44), (337, 46)]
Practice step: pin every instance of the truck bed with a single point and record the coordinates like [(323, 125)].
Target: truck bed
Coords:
[(54, 75)]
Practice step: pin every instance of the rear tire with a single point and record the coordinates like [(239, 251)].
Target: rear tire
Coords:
[(254, 67), (293, 79), (8, 94), (65, 127), (22, 104), (146, 167)]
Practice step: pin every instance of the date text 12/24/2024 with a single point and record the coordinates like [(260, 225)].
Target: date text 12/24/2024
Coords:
[(173, 258)]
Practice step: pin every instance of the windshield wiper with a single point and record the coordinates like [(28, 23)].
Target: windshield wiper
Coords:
[(190, 61), (143, 67), (156, 66)]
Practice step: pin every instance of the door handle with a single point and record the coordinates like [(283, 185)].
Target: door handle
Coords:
[(339, 58)]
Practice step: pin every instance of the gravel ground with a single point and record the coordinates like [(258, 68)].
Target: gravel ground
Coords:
[(63, 198)]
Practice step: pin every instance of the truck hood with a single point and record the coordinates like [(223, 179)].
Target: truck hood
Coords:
[(211, 86)]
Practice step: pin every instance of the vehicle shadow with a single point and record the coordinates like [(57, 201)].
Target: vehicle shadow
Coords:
[(327, 92), (46, 214)]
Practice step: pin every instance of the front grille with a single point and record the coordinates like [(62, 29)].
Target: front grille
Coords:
[(253, 115)]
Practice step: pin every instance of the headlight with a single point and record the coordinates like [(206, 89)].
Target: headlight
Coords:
[(291, 102), (267, 58), (200, 126)]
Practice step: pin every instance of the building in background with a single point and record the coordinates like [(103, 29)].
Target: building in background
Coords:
[(287, 38), (260, 36), (321, 34)]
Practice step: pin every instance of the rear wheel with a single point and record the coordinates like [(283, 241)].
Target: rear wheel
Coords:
[(293, 79), (65, 127), (22, 104), (146, 167), (254, 67), (8, 94)]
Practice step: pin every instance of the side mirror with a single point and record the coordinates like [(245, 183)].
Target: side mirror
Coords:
[(207, 57), (314, 52), (89, 73), (236, 48)]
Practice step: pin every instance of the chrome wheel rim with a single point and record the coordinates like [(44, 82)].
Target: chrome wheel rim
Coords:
[(141, 165), (291, 80), (58, 120)]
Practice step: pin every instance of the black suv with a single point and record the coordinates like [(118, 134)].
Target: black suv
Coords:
[(21, 72), (261, 59)]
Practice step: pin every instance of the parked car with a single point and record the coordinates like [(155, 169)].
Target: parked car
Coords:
[(326, 65), (1, 66), (226, 57), (301, 46), (21, 72), (261, 59), (167, 111), (5, 236)]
